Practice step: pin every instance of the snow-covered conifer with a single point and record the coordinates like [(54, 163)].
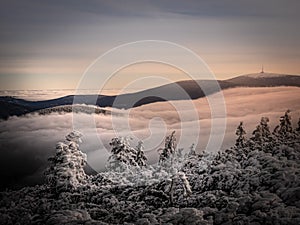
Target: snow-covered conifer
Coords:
[(262, 132), (179, 153), (240, 132), (170, 147), (181, 178), (257, 134), (298, 128), (192, 151), (123, 155), (187, 191), (66, 172), (265, 127), (285, 125), (140, 157)]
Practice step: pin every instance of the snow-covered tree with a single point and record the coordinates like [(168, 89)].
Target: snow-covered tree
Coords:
[(123, 155), (140, 157), (187, 191), (66, 172), (262, 132), (258, 134), (265, 127), (285, 125), (241, 135), (192, 151), (179, 153), (180, 178), (298, 128), (172, 161), (169, 149)]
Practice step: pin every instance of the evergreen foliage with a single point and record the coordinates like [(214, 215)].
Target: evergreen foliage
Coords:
[(66, 172)]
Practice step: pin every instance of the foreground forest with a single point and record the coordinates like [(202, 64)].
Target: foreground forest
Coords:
[(254, 182)]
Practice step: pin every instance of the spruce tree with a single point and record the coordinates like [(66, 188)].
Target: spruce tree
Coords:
[(285, 126), (298, 128), (265, 127), (65, 172), (169, 149), (258, 134), (192, 151), (241, 138), (123, 155), (140, 157)]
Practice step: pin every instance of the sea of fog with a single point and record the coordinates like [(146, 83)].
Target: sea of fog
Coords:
[(39, 95), (27, 141)]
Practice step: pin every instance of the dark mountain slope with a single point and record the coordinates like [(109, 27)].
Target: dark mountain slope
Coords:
[(181, 90)]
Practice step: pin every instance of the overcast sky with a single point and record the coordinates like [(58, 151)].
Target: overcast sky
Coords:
[(48, 44)]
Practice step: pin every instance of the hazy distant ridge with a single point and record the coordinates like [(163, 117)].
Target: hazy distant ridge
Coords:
[(10, 106)]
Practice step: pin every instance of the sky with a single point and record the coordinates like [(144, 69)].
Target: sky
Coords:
[(49, 44)]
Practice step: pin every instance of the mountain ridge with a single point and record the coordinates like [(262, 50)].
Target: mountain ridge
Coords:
[(181, 90)]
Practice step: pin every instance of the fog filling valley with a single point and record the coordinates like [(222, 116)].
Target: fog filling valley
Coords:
[(27, 141)]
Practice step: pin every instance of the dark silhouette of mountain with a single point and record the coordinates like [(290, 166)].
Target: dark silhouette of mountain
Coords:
[(10, 106), (181, 90), (266, 80)]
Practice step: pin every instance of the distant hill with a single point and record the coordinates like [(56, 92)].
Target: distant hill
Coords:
[(181, 90), (266, 80), (10, 106)]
